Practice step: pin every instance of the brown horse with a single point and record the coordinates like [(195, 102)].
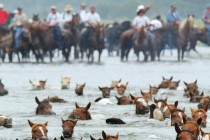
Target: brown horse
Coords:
[(184, 134), (183, 36), (200, 113), (68, 128), (121, 88), (39, 131), (204, 101), (142, 106), (81, 113), (44, 107), (108, 137), (105, 91), (153, 89), (143, 44), (147, 95), (168, 108), (177, 116), (3, 91), (195, 98), (5, 121), (79, 89), (165, 83), (192, 87), (55, 99), (124, 100)]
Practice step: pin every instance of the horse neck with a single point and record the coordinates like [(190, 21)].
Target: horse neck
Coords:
[(185, 30), (141, 35)]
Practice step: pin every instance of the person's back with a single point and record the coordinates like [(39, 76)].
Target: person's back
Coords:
[(3, 15)]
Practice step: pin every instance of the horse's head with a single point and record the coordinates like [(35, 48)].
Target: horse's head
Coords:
[(161, 103), (184, 134), (105, 91), (204, 101), (79, 89), (38, 85), (107, 137), (35, 17), (81, 113), (121, 88), (3, 91), (115, 83), (39, 131), (124, 100), (44, 107), (168, 108), (200, 113), (68, 128), (165, 83), (146, 95), (191, 86), (142, 106), (174, 84), (177, 116), (194, 98), (5, 121), (75, 20), (153, 89), (65, 82)]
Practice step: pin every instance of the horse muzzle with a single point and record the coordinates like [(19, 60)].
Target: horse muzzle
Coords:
[(203, 124), (67, 134)]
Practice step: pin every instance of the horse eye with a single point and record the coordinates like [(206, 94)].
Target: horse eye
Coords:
[(46, 130)]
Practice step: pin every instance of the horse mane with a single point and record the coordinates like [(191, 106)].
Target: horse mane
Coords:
[(186, 22)]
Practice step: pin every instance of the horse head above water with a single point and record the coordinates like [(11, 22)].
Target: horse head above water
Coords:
[(5, 121), (165, 83), (79, 89), (44, 107), (200, 113), (3, 91), (38, 85), (124, 100), (65, 82), (81, 113), (105, 91), (39, 131), (68, 128), (121, 88)]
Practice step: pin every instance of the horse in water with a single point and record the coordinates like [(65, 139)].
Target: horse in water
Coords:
[(68, 128), (3, 91), (183, 36), (81, 113), (90, 40), (39, 131), (5, 121), (44, 107)]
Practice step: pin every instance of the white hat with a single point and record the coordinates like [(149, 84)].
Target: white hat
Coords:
[(15, 12), (1, 5), (53, 7), (140, 7)]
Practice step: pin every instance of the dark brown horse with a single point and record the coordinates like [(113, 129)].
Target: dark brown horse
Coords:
[(106, 91), (39, 131), (3, 91), (68, 128), (44, 107), (79, 89), (124, 100), (81, 113), (165, 83)]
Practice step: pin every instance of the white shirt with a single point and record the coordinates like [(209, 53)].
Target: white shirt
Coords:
[(66, 17), (140, 21), (83, 15), (156, 24), (53, 18), (93, 18)]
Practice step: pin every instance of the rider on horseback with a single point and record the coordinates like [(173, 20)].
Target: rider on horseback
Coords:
[(67, 15), (83, 13), (3, 15), (53, 21), (206, 20), (19, 21)]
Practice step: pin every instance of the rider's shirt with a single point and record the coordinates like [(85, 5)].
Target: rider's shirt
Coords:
[(155, 24), (66, 17), (93, 18), (206, 16), (3, 17), (53, 19), (19, 19), (83, 15), (172, 17), (140, 21)]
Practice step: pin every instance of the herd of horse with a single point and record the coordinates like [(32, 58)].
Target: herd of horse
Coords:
[(39, 39), (187, 127)]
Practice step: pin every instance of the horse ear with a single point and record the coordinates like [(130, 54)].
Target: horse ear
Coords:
[(177, 128), (142, 93), (30, 123), (100, 88), (176, 104), (150, 86), (184, 119), (74, 122), (84, 85), (171, 78), (199, 121), (63, 121), (192, 111), (155, 100), (117, 136), (163, 78), (117, 98), (45, 124), (62, 138), (195, 81), (104, 134), (37, 100), (92, 138), (166, 99), (77, 106), (132, 97), (185, 83), (202, 94), (88, 106)]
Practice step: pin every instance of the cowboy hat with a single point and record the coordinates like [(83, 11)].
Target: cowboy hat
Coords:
[(53, 7), (1, 5), (139, 8), (68, 8)]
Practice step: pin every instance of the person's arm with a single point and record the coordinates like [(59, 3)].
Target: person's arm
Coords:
[(147, 7), (169, 18), (205, 20)]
